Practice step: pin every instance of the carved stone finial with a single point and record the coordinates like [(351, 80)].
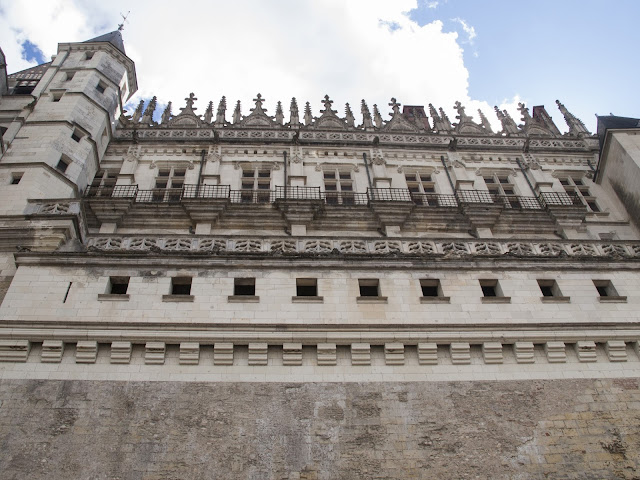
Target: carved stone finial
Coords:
[(237, 115), (367, 123), (294, 119), (349, 118), (576, 127), (279, 113), (377, 118), (327, 106), (395, 106), (166, 115), (484, 122), (462, 116), (445, 119), (147, 118), (138, 113), (308, 118), (524, 111), (221, 112), (259, 101), (192, 98), (509, 126), (208, 114)]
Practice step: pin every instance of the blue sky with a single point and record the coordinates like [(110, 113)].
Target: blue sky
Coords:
[(419, 51)]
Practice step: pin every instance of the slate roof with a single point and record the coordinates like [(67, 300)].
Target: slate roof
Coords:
[(114, 38)]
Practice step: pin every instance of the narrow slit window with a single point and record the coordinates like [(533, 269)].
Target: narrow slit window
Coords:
[(15, 178), (101, 86), (62, 165), (490, 288), (605, 288)]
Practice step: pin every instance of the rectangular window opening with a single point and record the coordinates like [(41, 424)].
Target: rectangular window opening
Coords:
[(430, 288), (605, 288), (549, 288), (101, 86), (306, 287), (369, 287), (490, 288), (88, 55), (76, 135), (118, 285), (181, 286), (62, 165), (16, 177), (244, 286)]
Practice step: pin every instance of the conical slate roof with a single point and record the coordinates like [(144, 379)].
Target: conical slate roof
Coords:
[(114, 38)]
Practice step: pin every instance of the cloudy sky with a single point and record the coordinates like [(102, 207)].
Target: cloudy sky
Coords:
[(482, 53)]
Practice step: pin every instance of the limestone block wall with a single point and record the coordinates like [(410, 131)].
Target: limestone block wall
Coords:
[(59, 294)]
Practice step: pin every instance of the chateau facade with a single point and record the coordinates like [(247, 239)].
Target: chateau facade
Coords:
[(311, 295)]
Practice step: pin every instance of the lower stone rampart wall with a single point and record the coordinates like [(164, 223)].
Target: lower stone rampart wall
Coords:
[(581, 428)]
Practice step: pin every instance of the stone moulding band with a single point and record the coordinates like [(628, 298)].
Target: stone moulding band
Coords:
[(363, 247)]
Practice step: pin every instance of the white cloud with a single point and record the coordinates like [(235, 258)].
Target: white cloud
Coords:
[(468, 29), (284, 49)]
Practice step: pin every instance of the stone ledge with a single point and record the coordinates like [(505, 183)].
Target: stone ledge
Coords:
[(177, 298), (371, 299), (613, 299), (243, 299), (307, 299), (555, 299), (495, 299), (113, 297), (435, 299)]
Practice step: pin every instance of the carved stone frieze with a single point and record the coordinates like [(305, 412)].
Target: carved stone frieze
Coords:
[(345, 246)]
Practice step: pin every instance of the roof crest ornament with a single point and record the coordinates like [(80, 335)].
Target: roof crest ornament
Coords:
[(509, 126), (220, 113), (208, 114), (258, 116), (445, 120), (166, 115), (484, 122), (137, 114), (466, 123), (308, 118), (398, 120), (279, 113), (294, 119), (329, 119), (377, 118), (576, 127), (349, 118), (189, 108), (367, 122), (147, 117), (237, 114)]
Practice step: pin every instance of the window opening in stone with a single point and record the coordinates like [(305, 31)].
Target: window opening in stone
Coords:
[(62, 165), (118, 285), (338, 186), (430, 288), (101, 86), (76, 135), (15, 178), (369, 288), (490, 288), (549, 288), (605, 288), (577, 187), (181, 286), (244, 286), (88, 55), (306, 287), (69, 76)]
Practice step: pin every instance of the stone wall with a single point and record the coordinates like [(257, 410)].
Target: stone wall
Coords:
[(586, 429)]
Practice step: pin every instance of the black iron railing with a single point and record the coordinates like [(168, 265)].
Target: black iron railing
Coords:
[(389, 194), (206, 191), (555, 198), (434, 200), (298, 193), (461, 197), (252, 196), (345, 198), (119, 191)]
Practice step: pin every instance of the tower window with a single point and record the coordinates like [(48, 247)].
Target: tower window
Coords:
[(605, 288), (15, 178), (76, 135), (576, 187), (69, 76), (88, 55), (101, 86), (56, 96), (490, 288), (63, 164)]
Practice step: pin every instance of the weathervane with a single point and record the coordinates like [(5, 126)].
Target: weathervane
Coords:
[(124, 20)]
